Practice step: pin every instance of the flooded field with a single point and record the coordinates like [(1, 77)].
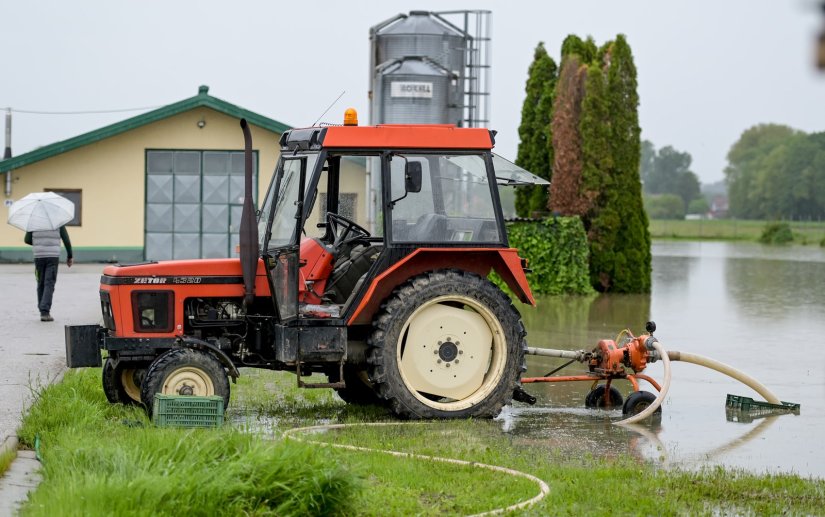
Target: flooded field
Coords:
[(759, 309)]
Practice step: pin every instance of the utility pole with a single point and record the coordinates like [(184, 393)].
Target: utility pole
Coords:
[(7, 153)]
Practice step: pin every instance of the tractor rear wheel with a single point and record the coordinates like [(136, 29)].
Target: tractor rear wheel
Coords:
[(121, 383), (447, 344), (183, 371)]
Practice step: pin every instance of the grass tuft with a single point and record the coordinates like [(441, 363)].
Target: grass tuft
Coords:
[(6, 457)]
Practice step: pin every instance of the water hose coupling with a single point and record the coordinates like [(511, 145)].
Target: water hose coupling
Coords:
[(652, 353)]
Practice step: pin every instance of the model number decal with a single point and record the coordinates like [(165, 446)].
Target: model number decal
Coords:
[(169, 280), (187, 280)]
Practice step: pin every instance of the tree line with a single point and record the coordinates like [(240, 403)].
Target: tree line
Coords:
[(671, 189), (776, 172)]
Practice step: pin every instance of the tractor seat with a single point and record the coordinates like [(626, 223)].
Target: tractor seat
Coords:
[(429, 228), (346, 273)]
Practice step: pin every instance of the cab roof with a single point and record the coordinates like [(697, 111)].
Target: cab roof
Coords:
[(389, 136)]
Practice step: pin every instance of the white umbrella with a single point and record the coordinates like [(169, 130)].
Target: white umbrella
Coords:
[(41, 211)]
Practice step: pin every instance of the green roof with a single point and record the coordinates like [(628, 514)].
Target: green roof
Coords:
[(201, 100)]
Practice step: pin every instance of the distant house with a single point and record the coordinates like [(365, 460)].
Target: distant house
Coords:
[(165, 184), (719, 207)]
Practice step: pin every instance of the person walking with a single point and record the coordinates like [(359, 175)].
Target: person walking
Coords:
[(46, 248)]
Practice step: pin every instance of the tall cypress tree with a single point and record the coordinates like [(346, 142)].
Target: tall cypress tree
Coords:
[(599, 183), (535, 150), (586, 49), (620, 257)]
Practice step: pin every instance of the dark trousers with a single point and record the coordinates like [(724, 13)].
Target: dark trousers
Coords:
[(45, 270)]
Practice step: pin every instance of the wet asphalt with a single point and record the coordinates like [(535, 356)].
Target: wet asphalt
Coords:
[(32, 353)]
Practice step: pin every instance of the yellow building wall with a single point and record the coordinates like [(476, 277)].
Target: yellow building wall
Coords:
[(111, 174)]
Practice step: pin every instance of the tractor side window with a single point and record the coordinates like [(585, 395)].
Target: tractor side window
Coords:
[(358, 194), (319, 207), (410, 208), (286, 205), (455, 203)]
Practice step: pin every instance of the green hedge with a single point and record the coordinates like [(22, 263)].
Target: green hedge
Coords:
[(776, 233), (557, 250)]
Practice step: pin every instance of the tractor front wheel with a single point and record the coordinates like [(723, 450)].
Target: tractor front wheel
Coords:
[(121, 383), (183, 371), (446, 344)]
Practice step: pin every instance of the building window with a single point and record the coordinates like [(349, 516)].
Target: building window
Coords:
[(75, 195), (194, 201)]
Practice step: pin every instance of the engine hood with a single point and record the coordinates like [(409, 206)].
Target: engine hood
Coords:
[(181, 268)]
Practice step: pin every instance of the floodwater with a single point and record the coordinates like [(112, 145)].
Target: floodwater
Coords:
[(757, 308)]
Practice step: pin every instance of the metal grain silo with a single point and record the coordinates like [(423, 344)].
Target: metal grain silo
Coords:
[(417, 90), (422, 33), (424, 57)]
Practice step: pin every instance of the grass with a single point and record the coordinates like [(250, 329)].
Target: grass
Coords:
[(101, 459), (731, 229), (108, 460), (6, 457)]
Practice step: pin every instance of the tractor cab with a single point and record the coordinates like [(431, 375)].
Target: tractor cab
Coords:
[(343, 202)]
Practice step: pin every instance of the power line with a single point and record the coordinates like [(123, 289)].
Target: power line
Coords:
[(84, 112)]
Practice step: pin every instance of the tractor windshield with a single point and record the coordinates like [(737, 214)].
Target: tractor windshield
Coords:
[(282, 201), (454, 203)]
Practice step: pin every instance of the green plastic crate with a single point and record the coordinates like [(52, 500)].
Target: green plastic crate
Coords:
[(757, 408), (187, 411)]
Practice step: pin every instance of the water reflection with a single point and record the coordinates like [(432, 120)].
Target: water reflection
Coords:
[(754, 307)]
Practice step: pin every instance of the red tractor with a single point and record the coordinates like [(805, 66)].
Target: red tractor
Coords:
[(368, 263)]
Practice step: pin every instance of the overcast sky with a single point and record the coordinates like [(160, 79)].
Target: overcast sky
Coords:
[(707, 70)]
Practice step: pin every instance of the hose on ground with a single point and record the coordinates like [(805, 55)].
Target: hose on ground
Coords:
[(662, 393), (727, 370), (544, 489)]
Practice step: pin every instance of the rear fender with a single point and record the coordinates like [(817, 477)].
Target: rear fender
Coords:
[(505, 262)]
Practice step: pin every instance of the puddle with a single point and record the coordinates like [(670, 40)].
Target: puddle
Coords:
[(756, 308)]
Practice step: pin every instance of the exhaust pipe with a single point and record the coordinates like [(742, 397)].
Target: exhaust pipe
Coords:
[(249, 227), (7, 153)]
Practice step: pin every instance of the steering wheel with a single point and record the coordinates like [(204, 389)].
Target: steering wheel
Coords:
[(344, 231)]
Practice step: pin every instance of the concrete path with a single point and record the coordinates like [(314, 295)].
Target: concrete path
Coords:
[(22, 476), (32, 353)]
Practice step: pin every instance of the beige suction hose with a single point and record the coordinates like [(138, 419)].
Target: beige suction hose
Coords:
[(727, 370), (649, 410)]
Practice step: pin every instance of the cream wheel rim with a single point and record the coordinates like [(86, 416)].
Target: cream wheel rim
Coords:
[(188, 381), (127, 380), (451, 353)]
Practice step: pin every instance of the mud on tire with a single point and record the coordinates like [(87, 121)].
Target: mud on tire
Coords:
[(446, 344)]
